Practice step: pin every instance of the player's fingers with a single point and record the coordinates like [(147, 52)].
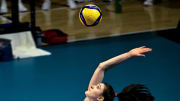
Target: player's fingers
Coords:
[(145, 50)]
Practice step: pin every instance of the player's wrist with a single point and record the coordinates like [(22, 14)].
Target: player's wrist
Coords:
[(130, 54)]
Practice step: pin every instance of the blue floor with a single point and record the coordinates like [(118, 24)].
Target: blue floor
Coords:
[(64, 76)]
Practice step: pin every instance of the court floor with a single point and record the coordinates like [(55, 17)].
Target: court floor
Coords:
[(64, 75)]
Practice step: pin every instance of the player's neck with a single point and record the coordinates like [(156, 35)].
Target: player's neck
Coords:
[(88, 99)]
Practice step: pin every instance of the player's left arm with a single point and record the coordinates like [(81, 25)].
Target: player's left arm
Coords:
[(102, 67)]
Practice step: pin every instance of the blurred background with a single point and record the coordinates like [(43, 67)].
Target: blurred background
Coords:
[(135, 16), (32, 68)]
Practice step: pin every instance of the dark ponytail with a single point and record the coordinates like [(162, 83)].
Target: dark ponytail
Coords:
[(135, 92)]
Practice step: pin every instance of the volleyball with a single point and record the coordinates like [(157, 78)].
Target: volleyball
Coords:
[(90, 15)]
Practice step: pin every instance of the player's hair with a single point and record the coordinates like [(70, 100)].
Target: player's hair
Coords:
[(133, 92)]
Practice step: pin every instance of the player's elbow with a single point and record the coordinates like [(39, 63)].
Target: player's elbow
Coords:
[(101, 66)]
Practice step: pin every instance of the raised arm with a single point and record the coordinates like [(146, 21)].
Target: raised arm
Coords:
[(99, 72)]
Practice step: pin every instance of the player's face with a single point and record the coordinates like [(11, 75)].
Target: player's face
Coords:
[(95, 90)]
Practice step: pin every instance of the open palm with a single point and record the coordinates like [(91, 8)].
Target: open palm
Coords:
[(139, 51)]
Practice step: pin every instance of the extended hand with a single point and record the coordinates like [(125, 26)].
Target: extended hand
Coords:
[(139, 51)]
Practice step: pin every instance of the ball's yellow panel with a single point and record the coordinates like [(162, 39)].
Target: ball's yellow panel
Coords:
[(90, 15)]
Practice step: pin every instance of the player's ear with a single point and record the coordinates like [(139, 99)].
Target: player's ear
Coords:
[(101, 98)]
